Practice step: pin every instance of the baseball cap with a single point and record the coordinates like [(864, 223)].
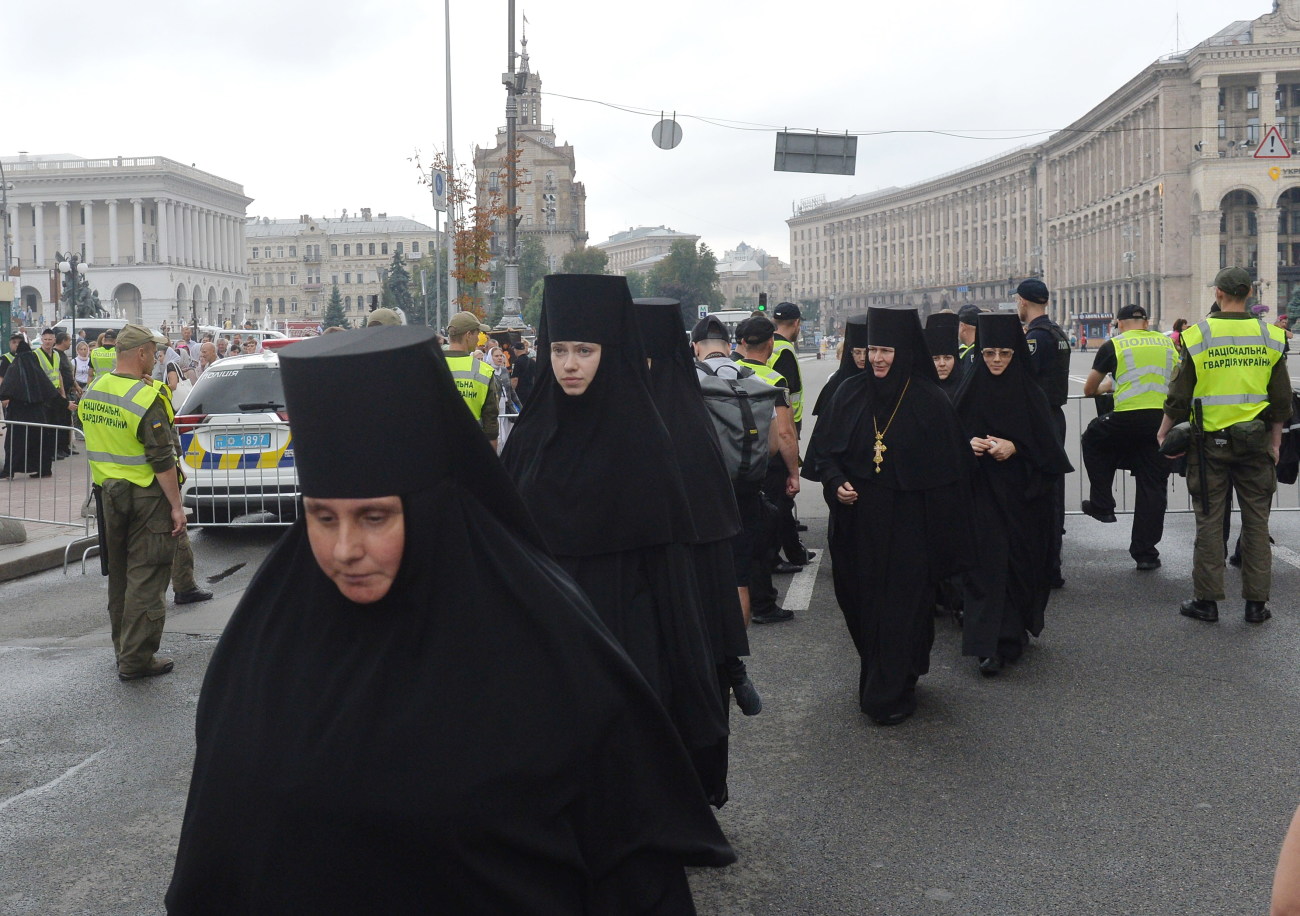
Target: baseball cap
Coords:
[(1131, 312), (1234, 281), (463, 322), (709, 328), (786, 311), (755, 330), (110, 334), (969, 314), (1033, 291), (383, 316), (137, 335)]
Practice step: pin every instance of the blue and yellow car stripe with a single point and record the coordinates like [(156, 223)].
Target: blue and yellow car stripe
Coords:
[(197, 457)]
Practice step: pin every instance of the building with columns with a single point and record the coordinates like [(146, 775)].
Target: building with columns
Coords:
[(161, 241), (640, 248), (748, 271), (1141, 200)]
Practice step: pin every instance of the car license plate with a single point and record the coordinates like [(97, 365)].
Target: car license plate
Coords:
[(242, 442)]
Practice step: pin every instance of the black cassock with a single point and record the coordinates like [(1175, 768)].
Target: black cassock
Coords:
[(1006, 591), (28, 449), (890, 549)]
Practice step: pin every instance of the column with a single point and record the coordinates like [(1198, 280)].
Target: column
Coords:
[(88, 214), (38, 209), (1209, 117), (1267, 221), (1206, 263), (112, 232), (1267, 102), (137, 227), (65, 243), (192, 238), (15, 238), (205, 233), (164, 243), (241, 244), (185, 234)]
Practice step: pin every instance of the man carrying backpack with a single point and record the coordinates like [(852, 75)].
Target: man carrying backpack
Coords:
[(750, 406)]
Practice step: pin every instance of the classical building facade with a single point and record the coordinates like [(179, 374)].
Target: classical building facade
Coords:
[(293, 264), (748, 271), (1141, 200), (552, 203), (640, 248), (160, 239)]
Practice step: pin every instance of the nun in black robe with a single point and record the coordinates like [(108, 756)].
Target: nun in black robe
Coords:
[(474, 741), (28, 391), (855, 338), (892, 442), (599, 474), (941, 338), (1006, 591), (715, 519)]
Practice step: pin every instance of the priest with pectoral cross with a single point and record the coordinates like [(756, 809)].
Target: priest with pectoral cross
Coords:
[(894, 465)]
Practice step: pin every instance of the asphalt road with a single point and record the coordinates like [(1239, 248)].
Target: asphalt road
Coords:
[(1134, 762)]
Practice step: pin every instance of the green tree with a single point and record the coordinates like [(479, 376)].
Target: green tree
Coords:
[(397, 285), (532, 311), (334, 317), (689, 275), (584, 261), (1293, 308), (638, 284), (532, 267)]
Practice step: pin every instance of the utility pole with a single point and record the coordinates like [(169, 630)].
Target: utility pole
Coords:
[(512, 305), (7, 312), (451, 178)]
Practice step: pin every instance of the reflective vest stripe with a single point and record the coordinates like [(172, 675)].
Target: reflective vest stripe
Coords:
[(767, 374), (102, 358), (110, 412), (125, 401), (473, 380), (1144, 361), (1234, 360), (1234, 399), (1209, 339), (116, 459), (51, 366)]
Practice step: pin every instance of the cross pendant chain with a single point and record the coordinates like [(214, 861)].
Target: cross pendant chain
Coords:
[(880, 449)]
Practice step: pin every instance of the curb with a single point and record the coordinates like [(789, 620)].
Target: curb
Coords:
[(20, 560)]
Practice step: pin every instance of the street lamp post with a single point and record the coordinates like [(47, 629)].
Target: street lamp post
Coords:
[(4, 230), (74, 271)]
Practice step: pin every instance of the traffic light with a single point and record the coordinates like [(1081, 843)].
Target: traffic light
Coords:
[(762, 302)]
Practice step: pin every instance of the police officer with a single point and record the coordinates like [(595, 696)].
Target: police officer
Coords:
[(968, 318), (1141, 361), (131, 447), (101, 358), (475, 378), (785, 362), (1049, 362), (1232, 382)]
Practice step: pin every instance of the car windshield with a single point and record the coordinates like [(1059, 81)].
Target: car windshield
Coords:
[(247, 389)]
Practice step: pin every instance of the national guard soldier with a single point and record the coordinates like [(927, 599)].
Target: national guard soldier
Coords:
[(1049, 362), (101, 358), (1232, 382), (785, 362), (1141, 361), (131, 448), (475, 378)]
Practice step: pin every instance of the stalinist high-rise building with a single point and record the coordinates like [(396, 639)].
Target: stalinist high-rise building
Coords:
[(552, 204)]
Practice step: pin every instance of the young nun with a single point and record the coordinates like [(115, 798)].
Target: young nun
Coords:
[(593, 461), (714, 516), (941, 337), (892, 462), (853, 361), (378, 734), (1008, 425)]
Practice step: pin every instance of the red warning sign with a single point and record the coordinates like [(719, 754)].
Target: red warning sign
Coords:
[(1273, 146)]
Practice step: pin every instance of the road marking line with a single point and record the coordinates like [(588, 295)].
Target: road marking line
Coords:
[(41, 790), (798, 595), (1287, 555)]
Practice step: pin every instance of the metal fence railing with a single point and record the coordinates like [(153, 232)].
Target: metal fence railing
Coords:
[(40, 487), (1287, 498)]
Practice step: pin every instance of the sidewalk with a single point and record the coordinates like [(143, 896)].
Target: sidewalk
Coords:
[(50, 511)]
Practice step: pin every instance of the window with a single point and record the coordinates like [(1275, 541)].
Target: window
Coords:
[(372, 247), (255, 251), (399, 247), (279, 251), (347, 251), (1223, 129), (1252, 130), (347, 303), (293, 251), (334, 279), (334, 251), (383, 248), (257, 305), (347, 277), (415, 247), (281, 305), (1252, 97), (293, 305)]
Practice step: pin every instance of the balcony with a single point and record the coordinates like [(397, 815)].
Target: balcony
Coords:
[(311, 287), (311, 259)]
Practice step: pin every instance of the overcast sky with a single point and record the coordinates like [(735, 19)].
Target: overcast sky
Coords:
[(317, 105)]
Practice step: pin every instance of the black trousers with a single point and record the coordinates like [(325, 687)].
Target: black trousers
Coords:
[(787, 530), (762, 525), (1127, 439), (1058, 500)]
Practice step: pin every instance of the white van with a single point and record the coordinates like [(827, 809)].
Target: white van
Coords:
[(92, 327)]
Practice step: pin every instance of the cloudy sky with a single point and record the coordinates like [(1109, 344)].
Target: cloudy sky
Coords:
[(318, 105)]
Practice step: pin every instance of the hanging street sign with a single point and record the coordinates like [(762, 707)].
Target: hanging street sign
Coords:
[(440, 192), (1273, 146)]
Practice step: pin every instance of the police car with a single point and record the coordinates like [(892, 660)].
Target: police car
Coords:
[(236, 448)]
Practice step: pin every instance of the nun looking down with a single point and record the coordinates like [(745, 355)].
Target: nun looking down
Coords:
[(370, 739)]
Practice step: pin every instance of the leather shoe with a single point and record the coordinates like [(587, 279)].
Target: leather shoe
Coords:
[(159, 666), (776, 615), (801, 527), (747, 697), (894, 718), (990, 666), (1201, 609), (193, 595), (1153, 563), (1257, 612), (1090, 508), (784, 568)]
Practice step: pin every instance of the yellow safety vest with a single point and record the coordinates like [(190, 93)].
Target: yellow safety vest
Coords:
[(779, 346), (472, 381), (102, 359), (51, 366), (1144, 360), (766, 373), (110, 412), (1234, 359)]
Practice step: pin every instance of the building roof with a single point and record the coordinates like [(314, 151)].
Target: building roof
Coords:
[(645, 232), (264, 227), (645, 264)]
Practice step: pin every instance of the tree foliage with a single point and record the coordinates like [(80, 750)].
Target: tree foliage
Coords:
[(584, 261), (397, 284), (334, 317), (689, 275), (639, 284), (532, 311)]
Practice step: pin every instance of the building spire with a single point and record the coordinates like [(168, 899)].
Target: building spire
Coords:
[(523, 56)]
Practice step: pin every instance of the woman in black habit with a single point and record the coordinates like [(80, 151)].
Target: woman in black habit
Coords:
[(892, 463), (593, 461), (853, 361), (1007, 422), (27, 392), (941, 338), (379, 733)]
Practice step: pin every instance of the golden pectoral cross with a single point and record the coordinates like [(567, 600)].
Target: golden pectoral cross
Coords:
[(880, 448)]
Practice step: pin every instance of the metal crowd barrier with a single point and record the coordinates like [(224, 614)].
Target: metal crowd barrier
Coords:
[(1287, 498), (62, 497)]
